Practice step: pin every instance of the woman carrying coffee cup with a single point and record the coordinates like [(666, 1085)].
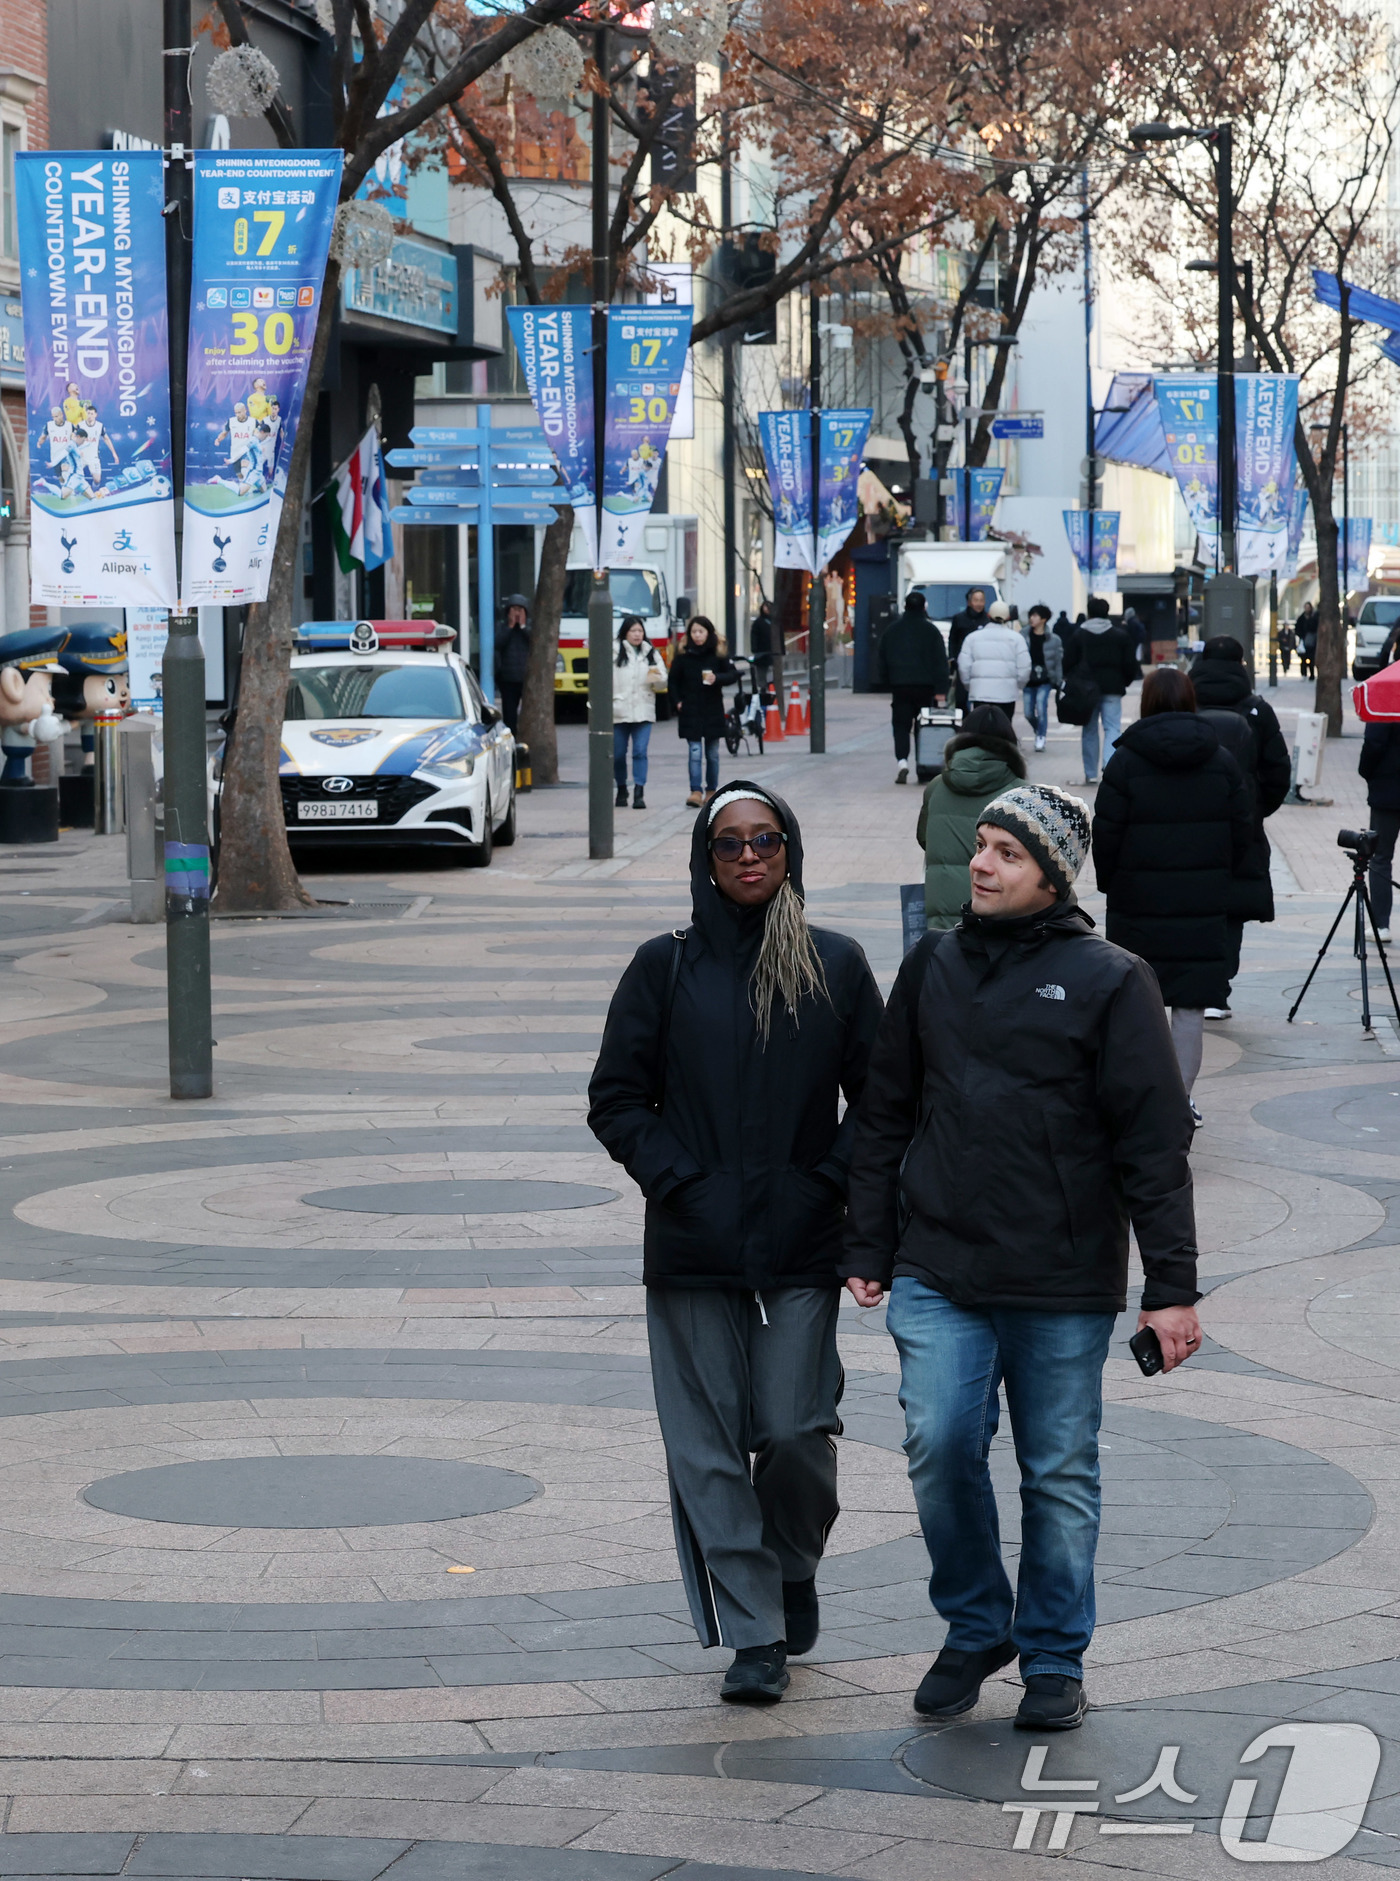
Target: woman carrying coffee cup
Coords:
[(699, 674)]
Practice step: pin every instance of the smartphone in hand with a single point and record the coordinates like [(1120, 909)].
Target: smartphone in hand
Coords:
[(1146, 1348)]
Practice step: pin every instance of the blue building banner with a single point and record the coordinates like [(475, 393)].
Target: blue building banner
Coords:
[(554, 347), (97, 378), (646, 354), (1297, 517), (262, 231), (1190, 424), (1093, 542), (841, 451), (1266, 417), (1354, 550), (982, 488), (786, 438)]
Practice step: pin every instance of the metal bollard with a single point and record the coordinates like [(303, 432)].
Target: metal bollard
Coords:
[(107, 783), (145, 870)]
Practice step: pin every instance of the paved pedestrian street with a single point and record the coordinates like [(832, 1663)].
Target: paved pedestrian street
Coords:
[(334, 1539)]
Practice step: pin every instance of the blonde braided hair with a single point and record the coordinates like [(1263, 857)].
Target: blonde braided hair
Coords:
[(788, 966)]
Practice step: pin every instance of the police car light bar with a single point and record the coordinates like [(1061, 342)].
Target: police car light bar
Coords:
[(367, 636)]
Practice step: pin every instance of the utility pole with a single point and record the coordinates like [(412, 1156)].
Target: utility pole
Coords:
[(729, 454), (189, 1014), (600, 608), (1091, 457), (816, 603), (1224, 141)]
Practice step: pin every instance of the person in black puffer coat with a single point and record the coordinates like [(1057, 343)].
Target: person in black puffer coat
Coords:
[(1380, 766), (699, 702), (1247, 726), (726, 1115), (1172, 828)]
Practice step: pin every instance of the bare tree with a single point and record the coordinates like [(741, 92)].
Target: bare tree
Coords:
[(1312, 92), (255, 865)]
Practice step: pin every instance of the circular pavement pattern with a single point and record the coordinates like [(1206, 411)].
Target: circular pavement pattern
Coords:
[(311, 1491), (449, 1197)]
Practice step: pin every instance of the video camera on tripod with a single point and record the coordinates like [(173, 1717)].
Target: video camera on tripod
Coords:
[(1360, 845)]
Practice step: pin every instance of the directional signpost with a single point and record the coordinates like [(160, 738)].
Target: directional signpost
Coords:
[(1019, 424), (479, 475)]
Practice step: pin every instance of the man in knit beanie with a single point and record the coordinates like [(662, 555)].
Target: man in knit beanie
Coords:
[(1022, 1109)]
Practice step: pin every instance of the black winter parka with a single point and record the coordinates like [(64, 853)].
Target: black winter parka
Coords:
[(1023, 1104), (1172, 828), (1225, 686), (700, 708), (744, 1166)]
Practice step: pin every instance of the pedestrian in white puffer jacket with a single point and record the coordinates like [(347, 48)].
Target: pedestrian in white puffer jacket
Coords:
[(995, 663), (638, 674)]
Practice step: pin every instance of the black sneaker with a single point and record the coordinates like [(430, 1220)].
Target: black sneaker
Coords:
[(803, 1617), (758, 1676), (639, 801), (953, 1681), (1053, 1702), (620, 800)]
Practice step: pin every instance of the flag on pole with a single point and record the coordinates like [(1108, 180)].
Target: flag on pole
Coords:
[(359, 501)]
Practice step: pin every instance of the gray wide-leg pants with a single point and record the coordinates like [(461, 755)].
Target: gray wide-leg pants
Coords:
[(748, 1414)]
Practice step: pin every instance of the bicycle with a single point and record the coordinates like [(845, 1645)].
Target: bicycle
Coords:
[(744, 719)]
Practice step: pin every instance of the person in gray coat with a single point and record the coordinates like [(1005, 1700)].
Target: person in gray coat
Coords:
[(1047, 652)]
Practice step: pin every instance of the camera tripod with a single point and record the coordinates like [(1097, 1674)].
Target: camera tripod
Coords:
[(1360, 861)]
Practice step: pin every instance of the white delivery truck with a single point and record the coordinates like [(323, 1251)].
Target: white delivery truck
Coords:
[(653, 586), (944, 571)]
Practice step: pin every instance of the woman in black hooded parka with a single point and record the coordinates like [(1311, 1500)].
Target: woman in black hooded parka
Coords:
[(718, 1086), (1172, 829)]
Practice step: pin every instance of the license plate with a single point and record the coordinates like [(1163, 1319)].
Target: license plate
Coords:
[(350, 810)]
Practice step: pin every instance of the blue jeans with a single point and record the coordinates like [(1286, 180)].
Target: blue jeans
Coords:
[(710, 747), (1037, 704), (1109, 712), (640, 734), (952, 1359)]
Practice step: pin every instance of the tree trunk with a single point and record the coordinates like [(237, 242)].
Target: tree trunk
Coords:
[(255, 864), (537, 700), (1331, 623)]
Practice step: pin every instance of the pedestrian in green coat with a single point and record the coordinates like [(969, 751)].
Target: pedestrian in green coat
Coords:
[(978, 764)]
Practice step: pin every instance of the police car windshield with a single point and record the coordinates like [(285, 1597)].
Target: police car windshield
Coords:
[(373, 691)]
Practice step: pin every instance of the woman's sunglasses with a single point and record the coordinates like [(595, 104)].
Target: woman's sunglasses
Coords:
[(767, 844)]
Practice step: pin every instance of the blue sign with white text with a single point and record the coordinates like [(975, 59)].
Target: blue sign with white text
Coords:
[(1266, 417), (1190, 423), (553, 344), (842, 446), (786, 437), (645, 360), (982, 487), (97, 376), (262, 230)]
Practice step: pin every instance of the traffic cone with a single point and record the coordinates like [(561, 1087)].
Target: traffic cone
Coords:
[(773, 733), (794, 727)]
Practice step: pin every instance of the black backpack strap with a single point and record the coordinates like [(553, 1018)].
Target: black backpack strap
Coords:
[(672, 980)]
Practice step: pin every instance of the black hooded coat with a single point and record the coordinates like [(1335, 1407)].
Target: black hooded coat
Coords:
[(1248, 729), (744, 1165), (1172, 828)]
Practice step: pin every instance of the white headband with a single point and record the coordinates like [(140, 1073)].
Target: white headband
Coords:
[(726, 797)]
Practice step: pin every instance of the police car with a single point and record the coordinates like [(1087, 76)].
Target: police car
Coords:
[(388, 740)]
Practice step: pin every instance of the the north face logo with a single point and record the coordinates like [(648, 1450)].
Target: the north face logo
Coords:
[(1050, 992)]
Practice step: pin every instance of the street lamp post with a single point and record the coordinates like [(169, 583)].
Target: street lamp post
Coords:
[(1220, 139), (600, 606), (1001, 340), (189, 1011)]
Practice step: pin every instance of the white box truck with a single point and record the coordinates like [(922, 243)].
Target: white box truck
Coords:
[(653, 586), (944, 571)]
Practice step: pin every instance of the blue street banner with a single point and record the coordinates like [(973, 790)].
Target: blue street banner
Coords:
[(1297, 516), (1093, 542), (786, 438), (646, 356), (841, 448), (1354, 545), (1266, 415), (983, 487), (97, 378), (553, 344), (1190, 424), (262, 230)]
